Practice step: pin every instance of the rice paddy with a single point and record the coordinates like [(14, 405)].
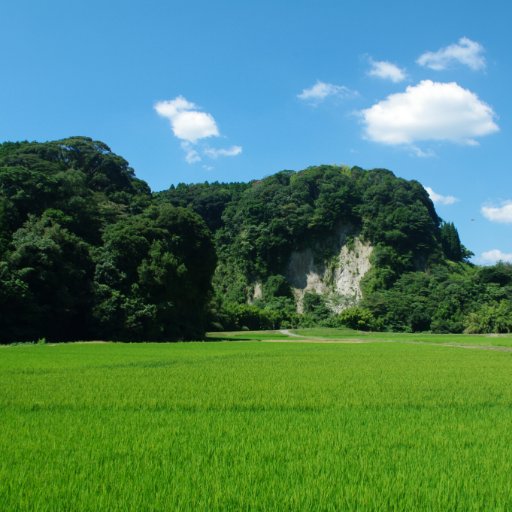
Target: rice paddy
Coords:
[(256, 426)]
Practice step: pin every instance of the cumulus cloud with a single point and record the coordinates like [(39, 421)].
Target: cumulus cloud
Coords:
[(493, 256), (439, 198), (387, 71), (187, 122), (322, 90), (216, 153), (466, 52), (501, 213), (429, 111), (191, 125)]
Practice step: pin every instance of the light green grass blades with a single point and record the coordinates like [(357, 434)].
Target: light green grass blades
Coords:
[(255, 426)]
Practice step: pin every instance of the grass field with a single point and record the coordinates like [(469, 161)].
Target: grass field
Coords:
[(255, 426), (313, 334)]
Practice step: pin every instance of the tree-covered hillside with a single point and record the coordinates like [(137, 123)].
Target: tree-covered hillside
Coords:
[(88, 251), (85, 252), (419, 277), (258, 225)]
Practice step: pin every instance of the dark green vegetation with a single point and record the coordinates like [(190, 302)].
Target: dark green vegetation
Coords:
[(88, 252), (419, 279), (255, 426), (262, 224)]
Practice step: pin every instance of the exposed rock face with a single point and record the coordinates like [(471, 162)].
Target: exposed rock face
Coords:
[(354, 263), (338, 278), (257, 293)]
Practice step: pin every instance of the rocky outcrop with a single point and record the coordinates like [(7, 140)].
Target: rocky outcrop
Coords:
[(257, 293), (337, 278)]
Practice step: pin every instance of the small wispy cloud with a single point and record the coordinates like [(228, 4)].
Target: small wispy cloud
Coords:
[(501, 213), (216, 153), (466, 52), (494, 255), (439, 198), (191, 155), (421, 153), (322, 90), (387, 71)]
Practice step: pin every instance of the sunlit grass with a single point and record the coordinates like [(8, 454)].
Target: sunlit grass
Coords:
[(501, 340), (255, 426), (247, 336)]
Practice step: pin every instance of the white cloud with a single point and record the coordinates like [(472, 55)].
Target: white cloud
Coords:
[(191, 155), (429, 111), (191, 125), (416, 151), (467, 52), (440, 199), (321, 90), (501, 213), (215, 153), (387, 71), (187, 122), (493, 256)]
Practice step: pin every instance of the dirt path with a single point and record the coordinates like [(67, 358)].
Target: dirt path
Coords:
[(298, 338)]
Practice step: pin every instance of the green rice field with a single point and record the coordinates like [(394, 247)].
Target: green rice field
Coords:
[(391, 423)]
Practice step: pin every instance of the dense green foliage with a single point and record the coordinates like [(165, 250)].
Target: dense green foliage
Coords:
[(419, 280), (291, 211), (86, 252), (449, 298), (209, 200), (452, 247), (255, 426)]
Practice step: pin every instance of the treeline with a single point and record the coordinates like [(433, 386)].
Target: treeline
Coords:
[(445, 298), (85, 251), (88, 251), (420, 279)]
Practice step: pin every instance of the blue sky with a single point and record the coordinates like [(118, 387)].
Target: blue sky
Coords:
[(232, 91)]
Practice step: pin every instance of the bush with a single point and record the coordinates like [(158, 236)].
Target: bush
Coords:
[(490, 318), (358, 318), (314, 306)]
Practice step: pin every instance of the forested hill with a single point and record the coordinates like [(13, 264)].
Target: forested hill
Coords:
[(257, 225), (87, 251), (342, 246)]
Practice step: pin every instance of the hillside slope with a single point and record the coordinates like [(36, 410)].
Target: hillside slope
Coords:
[(336, 231), (85, 252), (342, 246)]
